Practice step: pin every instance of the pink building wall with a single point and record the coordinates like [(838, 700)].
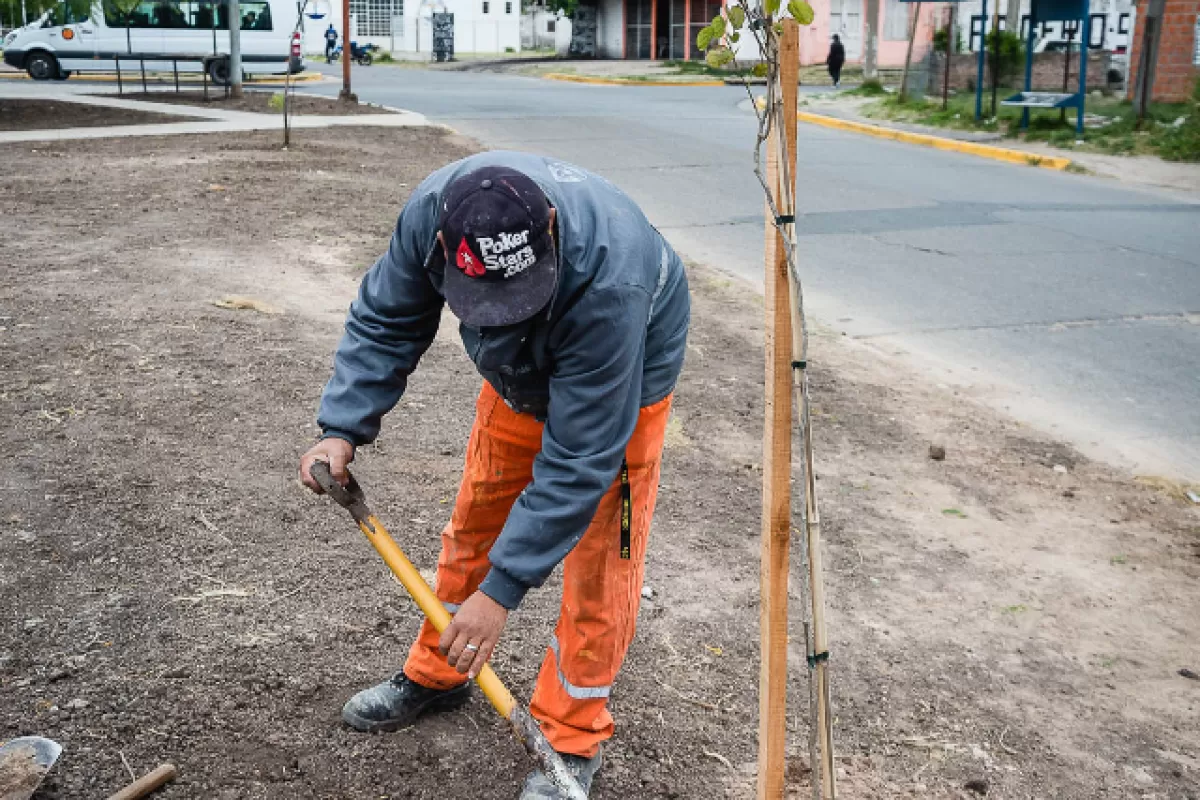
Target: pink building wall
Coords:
[(815, 38)]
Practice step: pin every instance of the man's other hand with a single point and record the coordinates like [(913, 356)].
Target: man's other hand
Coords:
[(471, 638), (335, 452)]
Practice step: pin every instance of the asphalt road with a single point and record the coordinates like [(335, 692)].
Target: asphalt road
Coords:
[(1069, 301)]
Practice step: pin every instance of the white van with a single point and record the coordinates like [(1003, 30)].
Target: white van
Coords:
[(63, 41)]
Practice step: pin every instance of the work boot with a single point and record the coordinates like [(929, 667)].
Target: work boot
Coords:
[(396, 703), (539, 787)]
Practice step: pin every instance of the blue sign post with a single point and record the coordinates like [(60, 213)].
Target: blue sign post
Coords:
[(1040, 12)]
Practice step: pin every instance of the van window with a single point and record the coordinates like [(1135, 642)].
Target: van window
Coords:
[(189, 14), (63, 14)]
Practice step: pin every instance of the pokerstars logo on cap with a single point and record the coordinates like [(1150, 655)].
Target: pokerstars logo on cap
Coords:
[(495, 223)]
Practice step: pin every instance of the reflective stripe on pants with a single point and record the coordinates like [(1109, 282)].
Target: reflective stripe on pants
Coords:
[(601, 590)]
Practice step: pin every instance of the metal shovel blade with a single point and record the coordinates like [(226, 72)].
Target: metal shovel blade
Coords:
[(24, 763)]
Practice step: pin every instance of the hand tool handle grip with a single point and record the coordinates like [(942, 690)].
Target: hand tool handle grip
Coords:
[(523, 725), (147, 783)]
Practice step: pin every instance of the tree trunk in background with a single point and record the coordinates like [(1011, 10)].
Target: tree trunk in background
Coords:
[(1012, 18), (871, 40), (1151, 27), (912, 35)]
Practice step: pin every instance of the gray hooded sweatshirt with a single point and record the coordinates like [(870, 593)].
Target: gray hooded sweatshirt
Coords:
[(611, 342)]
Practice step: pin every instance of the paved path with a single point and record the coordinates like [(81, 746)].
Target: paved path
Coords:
[(1071, 301), (212, 120)]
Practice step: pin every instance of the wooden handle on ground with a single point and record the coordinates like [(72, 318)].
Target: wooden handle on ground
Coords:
[(147, 783)]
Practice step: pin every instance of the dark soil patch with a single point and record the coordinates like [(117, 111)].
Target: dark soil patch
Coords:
[(168, 592), (36, 115), (260, 101)]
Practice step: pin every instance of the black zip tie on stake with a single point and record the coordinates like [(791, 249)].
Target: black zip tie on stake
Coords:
[(784, 219), (799, 365), (818, 658)]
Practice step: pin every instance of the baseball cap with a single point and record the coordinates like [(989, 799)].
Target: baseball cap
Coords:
[(502, 268)]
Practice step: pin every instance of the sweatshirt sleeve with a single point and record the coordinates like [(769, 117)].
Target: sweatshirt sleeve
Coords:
[(595, 397), (391, 324)]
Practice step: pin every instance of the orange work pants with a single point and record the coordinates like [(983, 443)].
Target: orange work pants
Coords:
[(601, 590)]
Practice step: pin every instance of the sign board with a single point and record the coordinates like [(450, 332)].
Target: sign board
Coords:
[(443, 36)]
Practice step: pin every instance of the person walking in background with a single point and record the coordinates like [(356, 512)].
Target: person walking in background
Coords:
[(331, 37), (837, 57)]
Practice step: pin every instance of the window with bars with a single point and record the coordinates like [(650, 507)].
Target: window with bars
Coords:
[(703, 12), (374, 17), (637, 28)]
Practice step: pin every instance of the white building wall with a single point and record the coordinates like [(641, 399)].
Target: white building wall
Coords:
[(1117, 22), (610, 29), (496, 30)]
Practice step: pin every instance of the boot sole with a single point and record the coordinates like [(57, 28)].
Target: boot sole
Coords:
[(452, 701)]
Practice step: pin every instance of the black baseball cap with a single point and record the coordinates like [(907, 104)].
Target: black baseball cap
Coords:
[(502, 266)]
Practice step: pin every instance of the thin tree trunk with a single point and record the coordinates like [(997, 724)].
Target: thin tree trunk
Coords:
[(912, 35), (1012, 17)]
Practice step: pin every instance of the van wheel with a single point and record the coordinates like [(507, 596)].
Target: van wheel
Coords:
[(365, 60), (62, 75), (41, 66), (218, 71)]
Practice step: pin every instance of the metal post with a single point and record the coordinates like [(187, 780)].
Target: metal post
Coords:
[(1084, 40), (979, 70), (1028, 67), (345, 94), (24, 14), (120, 86), (142, 61), (950, 39), (175, 68), (235, 49)]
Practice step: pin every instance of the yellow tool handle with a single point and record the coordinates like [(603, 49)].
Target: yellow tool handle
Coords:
[(489, 683), (524, 726)]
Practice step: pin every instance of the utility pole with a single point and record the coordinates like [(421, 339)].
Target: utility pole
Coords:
[(235, 49), (1148, 59), (346, 94), (1012, 17), (871, 46), (951, 40)]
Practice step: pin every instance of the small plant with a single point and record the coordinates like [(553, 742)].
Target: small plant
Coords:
[(942, 35), (870, 88), (1117, 560), (384, 57), (275, 103), (1014, 610), (953, 512), (509, 50)]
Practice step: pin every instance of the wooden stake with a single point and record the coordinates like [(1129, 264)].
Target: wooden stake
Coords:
[(777, 452)]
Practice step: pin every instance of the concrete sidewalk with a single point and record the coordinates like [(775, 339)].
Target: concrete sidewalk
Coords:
[(213, 120)]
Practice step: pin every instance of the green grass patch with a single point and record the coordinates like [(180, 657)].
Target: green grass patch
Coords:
[(869, 88), (953, 512), (682, 67), (1170, 130)]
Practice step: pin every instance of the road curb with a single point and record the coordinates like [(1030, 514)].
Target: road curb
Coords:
[(562, 76), (135, 77), (939, 142)]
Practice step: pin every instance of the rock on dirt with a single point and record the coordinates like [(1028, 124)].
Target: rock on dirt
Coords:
[(937, 452)]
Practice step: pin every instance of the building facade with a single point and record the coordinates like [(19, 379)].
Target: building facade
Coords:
[(404, 26), (667, 29), (1178, 65)]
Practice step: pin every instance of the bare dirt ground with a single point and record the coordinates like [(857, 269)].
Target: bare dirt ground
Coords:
[(1013, 618), (259, 101), (36, 115)]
